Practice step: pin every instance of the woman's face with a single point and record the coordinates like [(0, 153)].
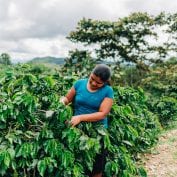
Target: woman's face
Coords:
[(95, 82)]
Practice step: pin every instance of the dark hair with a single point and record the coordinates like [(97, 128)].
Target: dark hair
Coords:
[(103, 72)]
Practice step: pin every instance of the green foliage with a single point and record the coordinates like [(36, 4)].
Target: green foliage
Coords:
[(33, 143), (128, 75), (125, 40), (162, 90), (79, 63), (134, 117), (47, 60), (142, 172), (166, 108), (5, 59), (162, 79)]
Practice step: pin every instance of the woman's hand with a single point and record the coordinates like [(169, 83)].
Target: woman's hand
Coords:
[(75, 120), (63, 100)]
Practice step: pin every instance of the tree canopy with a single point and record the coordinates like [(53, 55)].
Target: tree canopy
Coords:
[(5, 59), (131, 39)]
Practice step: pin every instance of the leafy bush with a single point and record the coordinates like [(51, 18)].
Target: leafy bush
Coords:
[(166, 108), (35, 142)]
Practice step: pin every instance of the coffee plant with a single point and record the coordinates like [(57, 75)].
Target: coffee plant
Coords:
[(36, 140), (162, 90)]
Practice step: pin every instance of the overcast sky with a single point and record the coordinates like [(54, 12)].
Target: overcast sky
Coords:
[(31, 28)]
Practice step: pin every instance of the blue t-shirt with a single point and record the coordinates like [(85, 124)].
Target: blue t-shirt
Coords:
[(87, 102)]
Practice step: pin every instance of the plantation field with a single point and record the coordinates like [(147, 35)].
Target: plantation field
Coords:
[(35, 138), (33, 143), (36, 141)]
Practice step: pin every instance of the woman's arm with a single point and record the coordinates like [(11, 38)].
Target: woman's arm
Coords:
[(69, 96), (104, 109)]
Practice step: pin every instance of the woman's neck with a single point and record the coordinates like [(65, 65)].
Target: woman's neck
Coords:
[(90, 89)]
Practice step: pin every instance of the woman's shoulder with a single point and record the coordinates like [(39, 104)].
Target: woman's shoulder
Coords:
[(80, 82), (108, 91), (108, 87)]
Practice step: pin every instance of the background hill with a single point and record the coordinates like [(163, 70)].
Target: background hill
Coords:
[(48, 60)]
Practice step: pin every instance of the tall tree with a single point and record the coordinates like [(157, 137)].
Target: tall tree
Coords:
[(5, 59), (128, 39), (79, 62), (171, 21)]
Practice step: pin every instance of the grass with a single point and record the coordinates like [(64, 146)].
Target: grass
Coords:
[(172, 139), (175, 155)]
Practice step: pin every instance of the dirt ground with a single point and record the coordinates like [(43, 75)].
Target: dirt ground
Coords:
[(162, 162)]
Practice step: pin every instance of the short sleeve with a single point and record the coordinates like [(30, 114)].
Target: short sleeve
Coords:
[(76, 85), (110, 92)]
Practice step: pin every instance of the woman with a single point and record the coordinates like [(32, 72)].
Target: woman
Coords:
[(93, 99)]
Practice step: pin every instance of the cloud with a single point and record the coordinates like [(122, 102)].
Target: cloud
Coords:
[(43, 18), (33, 28), (154, 7)]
